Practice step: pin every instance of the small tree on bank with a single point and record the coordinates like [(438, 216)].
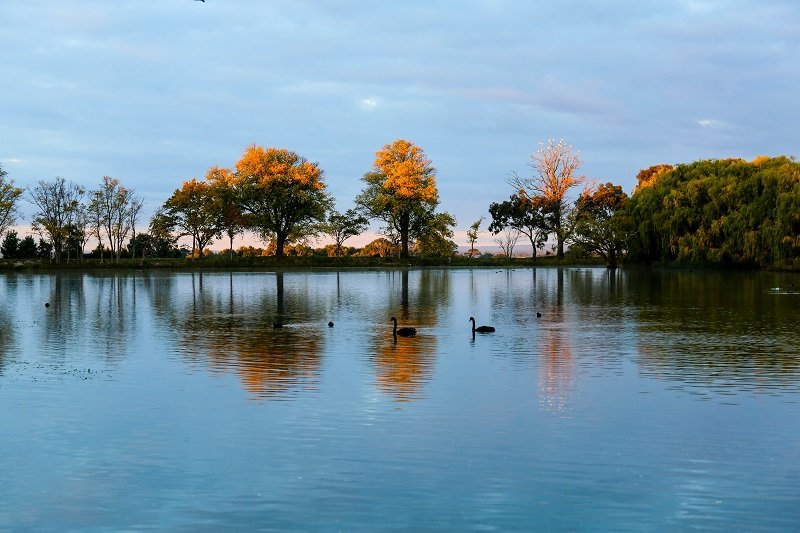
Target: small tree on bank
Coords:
[(58, 203), (527, 215), (342, 226), (472, 235), (9, 198)]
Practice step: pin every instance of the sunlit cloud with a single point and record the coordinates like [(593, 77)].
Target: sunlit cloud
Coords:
[(711, 123), (369, 103)]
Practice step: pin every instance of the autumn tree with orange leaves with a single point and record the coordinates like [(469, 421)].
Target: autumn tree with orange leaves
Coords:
[(401, 190), (556, 167), (282, 194), (233, 220), (194, 210)]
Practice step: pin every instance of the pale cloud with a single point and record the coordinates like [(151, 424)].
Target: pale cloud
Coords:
[(156, 92), (369, 104), (713, 124)]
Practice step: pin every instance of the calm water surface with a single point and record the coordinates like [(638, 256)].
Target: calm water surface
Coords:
[(639, 400)]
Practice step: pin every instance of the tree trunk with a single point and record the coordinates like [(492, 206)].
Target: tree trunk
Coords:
[(612, 258), (280, 242), (533, 247), (404, 223)]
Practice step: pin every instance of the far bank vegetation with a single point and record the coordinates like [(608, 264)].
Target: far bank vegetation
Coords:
[(726, 212)]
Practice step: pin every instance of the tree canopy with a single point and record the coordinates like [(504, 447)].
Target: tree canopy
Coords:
[(720, 211), (9, 196), (555, 168), (195, 211), (527, 215), (282, 193), (600, 225), (401, 191)]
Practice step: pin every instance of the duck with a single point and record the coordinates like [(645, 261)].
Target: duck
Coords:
[(480, 329), (330, 323), (403, 332)]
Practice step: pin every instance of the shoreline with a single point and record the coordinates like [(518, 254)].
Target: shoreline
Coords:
[(346, 263)]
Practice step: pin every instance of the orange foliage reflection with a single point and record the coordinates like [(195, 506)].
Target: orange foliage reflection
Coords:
[(556, 373), (403, 365)]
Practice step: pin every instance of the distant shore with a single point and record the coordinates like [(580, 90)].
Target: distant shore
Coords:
[(321, 262), (222, 263)]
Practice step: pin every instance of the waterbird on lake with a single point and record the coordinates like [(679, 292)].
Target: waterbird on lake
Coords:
[(403, 332), (330, 323), (538, 314), (480, 329), (277, 325)]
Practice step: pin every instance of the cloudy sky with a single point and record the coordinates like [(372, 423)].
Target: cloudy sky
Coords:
[(154, 92)]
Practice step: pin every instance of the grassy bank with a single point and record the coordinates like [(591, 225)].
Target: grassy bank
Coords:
[(223, 263)]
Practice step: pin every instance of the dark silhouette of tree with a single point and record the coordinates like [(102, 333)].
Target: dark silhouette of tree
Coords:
[(600, 225), (59, 203), (527, 215)]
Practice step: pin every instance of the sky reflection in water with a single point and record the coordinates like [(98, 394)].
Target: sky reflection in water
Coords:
[(638, 399)]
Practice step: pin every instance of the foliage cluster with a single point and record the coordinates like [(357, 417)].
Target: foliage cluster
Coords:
[(722, 212), (726, 211)]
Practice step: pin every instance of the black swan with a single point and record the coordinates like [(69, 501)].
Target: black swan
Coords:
[(403, 332), (480, 329)]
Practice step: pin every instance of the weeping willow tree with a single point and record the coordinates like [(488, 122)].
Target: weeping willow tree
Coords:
[(726, 211)]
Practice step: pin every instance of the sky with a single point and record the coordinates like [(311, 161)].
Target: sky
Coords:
[(155, 92)]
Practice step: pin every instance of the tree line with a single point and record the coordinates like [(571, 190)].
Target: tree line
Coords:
[(717, 211)]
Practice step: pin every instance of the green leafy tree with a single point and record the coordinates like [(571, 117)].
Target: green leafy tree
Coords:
[(600, 224), (234, 221), (281, 193), (142, 244), (381, 247), (435, 239), (27, 248), (195, 211), (10, 246), (527, 215), (44, 250), (342, 226), (163, 241), (472, 235), (727, 211), (9, 198), (401, 191)]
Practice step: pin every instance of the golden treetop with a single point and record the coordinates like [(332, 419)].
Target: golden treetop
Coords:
[(409, 173), (217, 175), (267, 165)]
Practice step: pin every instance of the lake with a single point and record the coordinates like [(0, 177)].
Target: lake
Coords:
[(638, 400)]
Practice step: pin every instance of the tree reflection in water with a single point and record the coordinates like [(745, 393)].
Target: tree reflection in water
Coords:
[(705, 332), (235, 333), (404, 365), (556, 372)]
